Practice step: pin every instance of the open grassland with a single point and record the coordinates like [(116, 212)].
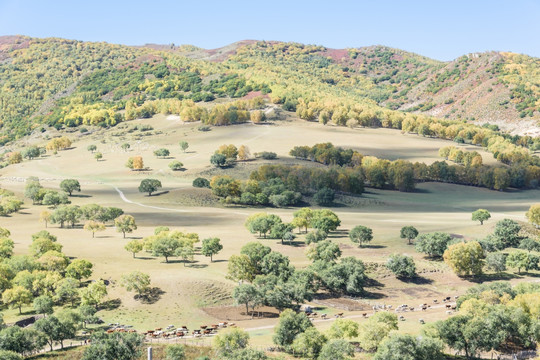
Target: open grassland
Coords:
[(189, 294)]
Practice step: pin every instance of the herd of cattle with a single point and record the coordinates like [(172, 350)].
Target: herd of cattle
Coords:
[(172, 331)]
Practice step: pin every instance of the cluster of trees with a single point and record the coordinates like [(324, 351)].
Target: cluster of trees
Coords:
[(252, 192), (95, 216), (492, 317), (227, 155), (296, 334), (60, 143), (269, 278), (9, 203), (39, 195), (465, 158), (168, 243), (46, 276), (322, 220)]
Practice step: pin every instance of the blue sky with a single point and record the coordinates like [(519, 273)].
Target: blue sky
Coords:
[(442, 30)]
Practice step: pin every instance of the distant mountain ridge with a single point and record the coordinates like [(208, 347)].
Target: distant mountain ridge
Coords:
[(40, 77)]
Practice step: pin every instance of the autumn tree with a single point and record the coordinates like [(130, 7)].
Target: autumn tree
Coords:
[(243, 153), (533, 215), (125, 224), (465, 258), (94, 226), (134, 246), (45, 217)]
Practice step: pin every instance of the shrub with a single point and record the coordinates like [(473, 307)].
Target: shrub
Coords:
[(176, 165), (201, 183), (324, 197)]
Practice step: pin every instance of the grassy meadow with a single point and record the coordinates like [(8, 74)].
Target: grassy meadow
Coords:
[(190, 293)]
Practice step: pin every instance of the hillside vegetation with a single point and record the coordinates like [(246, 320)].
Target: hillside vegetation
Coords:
[(69, 83)]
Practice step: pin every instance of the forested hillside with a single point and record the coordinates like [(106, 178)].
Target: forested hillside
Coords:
[(66, 83)]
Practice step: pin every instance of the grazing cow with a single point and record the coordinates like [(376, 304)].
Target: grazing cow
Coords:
[(454, 307), (424, 308), (402, 318), (421, 321), (323, 316), (364, 314), (448, 306), (434, 301), (204, 327), (339, 315), (456, 297)]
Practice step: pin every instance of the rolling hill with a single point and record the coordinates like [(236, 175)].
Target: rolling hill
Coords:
[(68, 83)]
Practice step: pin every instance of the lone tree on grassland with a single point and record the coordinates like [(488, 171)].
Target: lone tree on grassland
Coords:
[(94, 226), (136, 281), (125, 224), (70, 185), (149, 186), (361, 235), (481, 215), (211, 246), (183, 145), (408, 232)]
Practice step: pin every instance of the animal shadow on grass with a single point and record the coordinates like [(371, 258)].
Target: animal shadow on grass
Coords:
[(151, 296), (111, 304)]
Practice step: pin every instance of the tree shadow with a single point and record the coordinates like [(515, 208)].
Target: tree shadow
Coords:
[(80, 196), (417, 280), (219, 261), (197, 266), (144, 258), (159, 193), (112, 304), (369, 246), (151, 296)]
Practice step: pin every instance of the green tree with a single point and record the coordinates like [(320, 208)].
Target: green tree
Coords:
[(165, 246), (17, 297), (308, 344), (290, 325), (361, 235), (433, 244), (175, 352), (517, 260), (481, 215), (185, 252), (134, 246), (463, 333), (70, 185), (246, 294), (125, 147), (149, 186), (136, 281), (43, 305), (125, 224), (66, 291), (176, 165), (337, 349), (53, 198), (117, 346), (218, 160), (162, 152), (56, 330), (302, 218), (79, 269), (408, 232), (402, 266), (33, 189), (98, 156), (496, 261), (325, 250), (324, 197), (325, 220), (507, 232), (407, 347), (183, 145), (91, 148), (93, 294), (25, 341), (9, 355), (376, 329), (6, 248), (256, 252), (210, 247), (240, 268), (231, 340), (529, 244), (343, 329)]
